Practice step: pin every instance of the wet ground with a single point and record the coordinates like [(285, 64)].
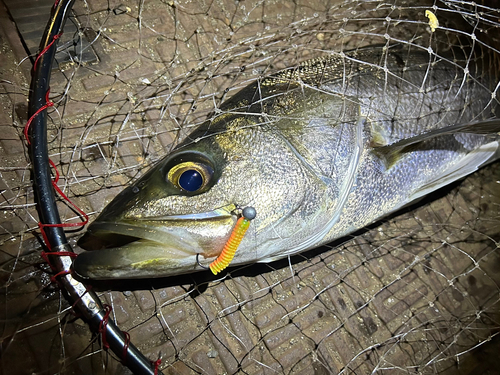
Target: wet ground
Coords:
[(416, 293)]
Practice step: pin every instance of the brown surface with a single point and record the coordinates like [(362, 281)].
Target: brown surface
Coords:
[(417, 294)]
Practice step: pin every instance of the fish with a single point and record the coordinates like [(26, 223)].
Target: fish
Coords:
[(317, 151)]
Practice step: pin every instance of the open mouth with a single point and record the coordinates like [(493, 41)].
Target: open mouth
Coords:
[(169, 230), (152, 247), (105, 235), (125, 251)]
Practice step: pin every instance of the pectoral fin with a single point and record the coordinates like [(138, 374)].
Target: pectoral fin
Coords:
[(391, 153)]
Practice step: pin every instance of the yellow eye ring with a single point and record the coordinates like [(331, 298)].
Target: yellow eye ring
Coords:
[(190, 176)]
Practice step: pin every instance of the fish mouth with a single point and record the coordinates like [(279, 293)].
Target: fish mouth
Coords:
[(161, 229), (107, 235), (153, 247)]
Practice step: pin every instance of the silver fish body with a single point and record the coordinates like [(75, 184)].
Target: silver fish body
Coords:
[(319, 151)]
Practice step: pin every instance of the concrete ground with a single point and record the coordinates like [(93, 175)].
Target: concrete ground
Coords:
[(418, 293)]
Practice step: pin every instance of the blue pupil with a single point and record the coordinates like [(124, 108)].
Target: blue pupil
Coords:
[(190, 180)]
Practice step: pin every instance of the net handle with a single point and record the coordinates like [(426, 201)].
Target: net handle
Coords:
[(80, 297)]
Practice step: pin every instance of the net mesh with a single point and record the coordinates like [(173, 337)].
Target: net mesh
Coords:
[(417, 293)]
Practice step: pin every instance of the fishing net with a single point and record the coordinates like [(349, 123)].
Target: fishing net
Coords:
[(417, 293)]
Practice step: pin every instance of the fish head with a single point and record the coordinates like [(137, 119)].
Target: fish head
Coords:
[(179, 215)]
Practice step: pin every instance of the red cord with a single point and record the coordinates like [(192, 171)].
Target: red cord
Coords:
[(45, 256), (65, 197), (54, 182), (157, 364), (47, 104), (103, 325), (62, 273), (57, 36), (125, 346)]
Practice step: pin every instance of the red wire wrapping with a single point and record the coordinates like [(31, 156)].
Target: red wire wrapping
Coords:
[(125, 346), (157, 364), (102, 330), (47, 104), (54, 39), (42, 226), (62, 273), (65, 197), (56, 179), (104, 325), (45, 255)]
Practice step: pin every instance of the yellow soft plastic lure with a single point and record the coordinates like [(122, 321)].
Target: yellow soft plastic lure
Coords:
[(433, 21), (239, 230)]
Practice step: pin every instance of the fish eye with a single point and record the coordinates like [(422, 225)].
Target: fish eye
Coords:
[(190, 180), (190, 176)]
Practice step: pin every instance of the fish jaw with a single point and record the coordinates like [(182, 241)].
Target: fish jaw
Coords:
[(137, 260), (147, 248)]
